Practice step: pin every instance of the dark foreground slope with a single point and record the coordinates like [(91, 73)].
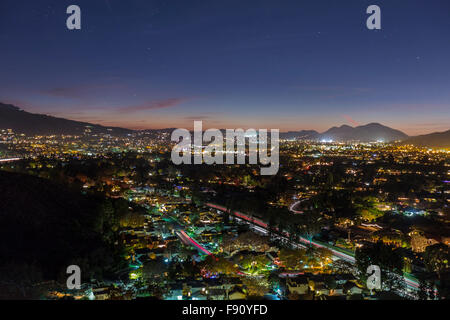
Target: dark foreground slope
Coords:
[(45, 227)]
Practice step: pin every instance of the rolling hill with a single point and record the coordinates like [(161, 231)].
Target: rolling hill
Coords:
[(436, 140), (12, 117), (365, 133), (20, 121)]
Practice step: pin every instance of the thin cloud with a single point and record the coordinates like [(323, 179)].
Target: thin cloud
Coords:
[(153, 105), (81, 91), (197, 118), (350, 119), (420, 107), (332, 88), (334, 91)]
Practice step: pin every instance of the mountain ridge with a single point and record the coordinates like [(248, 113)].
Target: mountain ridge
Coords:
[(435, 140), (369, 132), (21, 121)]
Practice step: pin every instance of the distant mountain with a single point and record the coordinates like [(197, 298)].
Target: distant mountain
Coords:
[(366, 133), (300, 135), (12, 117), (436, 140)]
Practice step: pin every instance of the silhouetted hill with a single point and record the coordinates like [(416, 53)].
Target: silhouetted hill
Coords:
[(301, 135), (436, 139), (12, 117), (366, 133)]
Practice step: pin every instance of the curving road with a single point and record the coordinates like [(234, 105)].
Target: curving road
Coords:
[(185, 238), (291, 208)]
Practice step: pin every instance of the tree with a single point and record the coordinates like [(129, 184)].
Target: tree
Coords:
[(194, 218), (133, 220), (366, 209), (436, 258), (246, 241), (255, 287), (426, 288), (213, 265), (343, 267), (293, 231), (255, 264), (331, 283), (311, 223), (292, 258), (388, 258), (153, 268), (18, 281), (324, 256)]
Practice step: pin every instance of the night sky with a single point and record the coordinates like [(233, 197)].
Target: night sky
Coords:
[(264, 64)]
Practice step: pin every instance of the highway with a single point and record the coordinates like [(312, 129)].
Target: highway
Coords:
[(410, 281), (9, 159), (303, 241)]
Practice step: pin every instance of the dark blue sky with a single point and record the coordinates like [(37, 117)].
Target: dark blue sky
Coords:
[(263, 64)]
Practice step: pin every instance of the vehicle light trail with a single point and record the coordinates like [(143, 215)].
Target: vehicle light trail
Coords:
[(9, 160), (291, 208), (264, 225), (182, 234), (410, 282)]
